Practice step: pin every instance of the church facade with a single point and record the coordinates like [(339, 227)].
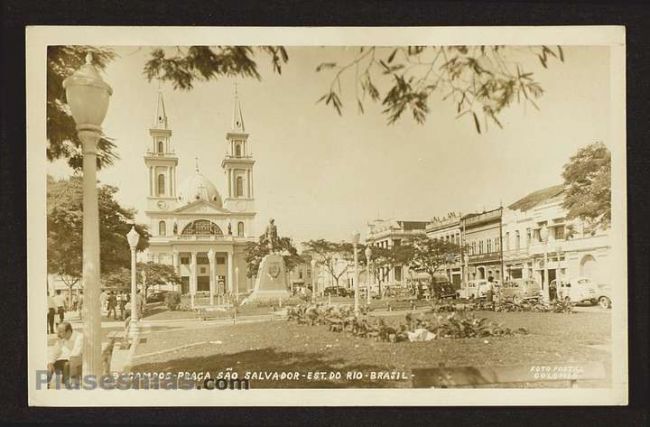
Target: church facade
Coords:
[(193, 228)]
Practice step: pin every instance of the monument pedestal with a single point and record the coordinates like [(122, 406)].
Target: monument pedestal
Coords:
[(271, 283)]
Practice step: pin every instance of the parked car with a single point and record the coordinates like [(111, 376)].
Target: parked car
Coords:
[(474, 289), (518, 290), (338, 291), (156, 296), (604, 296), (444, 290), (576, 290)]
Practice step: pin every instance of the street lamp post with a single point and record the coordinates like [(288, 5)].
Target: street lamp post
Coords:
[(368, 260), (87, 96), (133, 237), (313, 280), (236, 285), (543, 233), (355, 242)]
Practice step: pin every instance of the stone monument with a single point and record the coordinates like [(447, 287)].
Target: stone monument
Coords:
[(271, 282)]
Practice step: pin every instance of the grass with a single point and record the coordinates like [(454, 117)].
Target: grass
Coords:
[(281, 346)]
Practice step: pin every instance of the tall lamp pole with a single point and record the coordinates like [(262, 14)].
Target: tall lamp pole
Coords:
[(543, 233), (368, 254), (88, 96), (313, 280), (355, 242), (133, 237)]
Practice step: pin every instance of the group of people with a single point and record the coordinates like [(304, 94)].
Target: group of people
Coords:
[(57, 306), (118, 304)]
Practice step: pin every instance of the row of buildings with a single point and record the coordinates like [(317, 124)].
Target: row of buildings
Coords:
[(530, 238)]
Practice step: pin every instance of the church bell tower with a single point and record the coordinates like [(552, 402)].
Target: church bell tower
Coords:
[(161, 161), (238, 165)]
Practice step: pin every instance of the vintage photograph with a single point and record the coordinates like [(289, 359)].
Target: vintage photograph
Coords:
[(246, 217)]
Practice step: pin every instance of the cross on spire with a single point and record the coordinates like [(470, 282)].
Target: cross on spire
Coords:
[(237, 117)]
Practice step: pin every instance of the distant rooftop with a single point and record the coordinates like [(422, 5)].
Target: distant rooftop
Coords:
[(535, 198)]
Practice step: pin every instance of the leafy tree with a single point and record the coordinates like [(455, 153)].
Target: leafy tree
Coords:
[(149, 274), (587, 182), (328, 254), (65, 230), (478, 80), (255, 252), (429, 255)]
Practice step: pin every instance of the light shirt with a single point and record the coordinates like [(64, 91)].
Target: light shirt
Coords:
[(64, 349), (51, 303), (59, 300)]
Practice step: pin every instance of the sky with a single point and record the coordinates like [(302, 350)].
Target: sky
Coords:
[(321, 175)]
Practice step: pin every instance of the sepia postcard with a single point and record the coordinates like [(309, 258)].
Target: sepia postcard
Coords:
[(337, 216)]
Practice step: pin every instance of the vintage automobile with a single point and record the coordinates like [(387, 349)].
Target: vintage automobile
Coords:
[(577, 290), (338, 291), (475, 289), (604, 296), (518, 290), (156, 296), (444, 290)]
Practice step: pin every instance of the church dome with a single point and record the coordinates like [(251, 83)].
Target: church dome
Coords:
[(198, 187)]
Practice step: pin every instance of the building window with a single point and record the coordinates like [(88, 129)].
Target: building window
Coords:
[(300, 274), (529, 237), (489, 245), (221, 260), (161, 147), (162, 228), (185, 260), (203, 270), (237, 150), (559, 232), (517, 239), (480, 247), (161, 185), (508, 241), (240, 229), (239, 187), (398, 274), (497, 244), (397, 242)]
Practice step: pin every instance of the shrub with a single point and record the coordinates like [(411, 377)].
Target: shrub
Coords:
[(173, 300)]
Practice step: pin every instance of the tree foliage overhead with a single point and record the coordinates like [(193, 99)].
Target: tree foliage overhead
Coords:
[(587, 182), (63, 142), (181, 66), (255, 252), (481, 81), (65, 230)]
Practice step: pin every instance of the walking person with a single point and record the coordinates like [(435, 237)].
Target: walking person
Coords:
[(51, 312), (80, 303), (59, 301), (112, 305), (121, 302)]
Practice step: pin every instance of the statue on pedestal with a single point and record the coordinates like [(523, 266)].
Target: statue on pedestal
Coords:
[(272, 236)]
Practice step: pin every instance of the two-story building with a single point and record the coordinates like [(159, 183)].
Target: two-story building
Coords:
[(481, 236), (389, 234), (449, 229)]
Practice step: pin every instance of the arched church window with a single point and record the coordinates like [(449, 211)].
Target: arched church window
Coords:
[(162, 228), (240, 229), (161, 184), (161, 147), (237, 150), (239, 187)]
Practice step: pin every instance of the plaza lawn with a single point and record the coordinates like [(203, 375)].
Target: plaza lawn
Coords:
[(281, 346)]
